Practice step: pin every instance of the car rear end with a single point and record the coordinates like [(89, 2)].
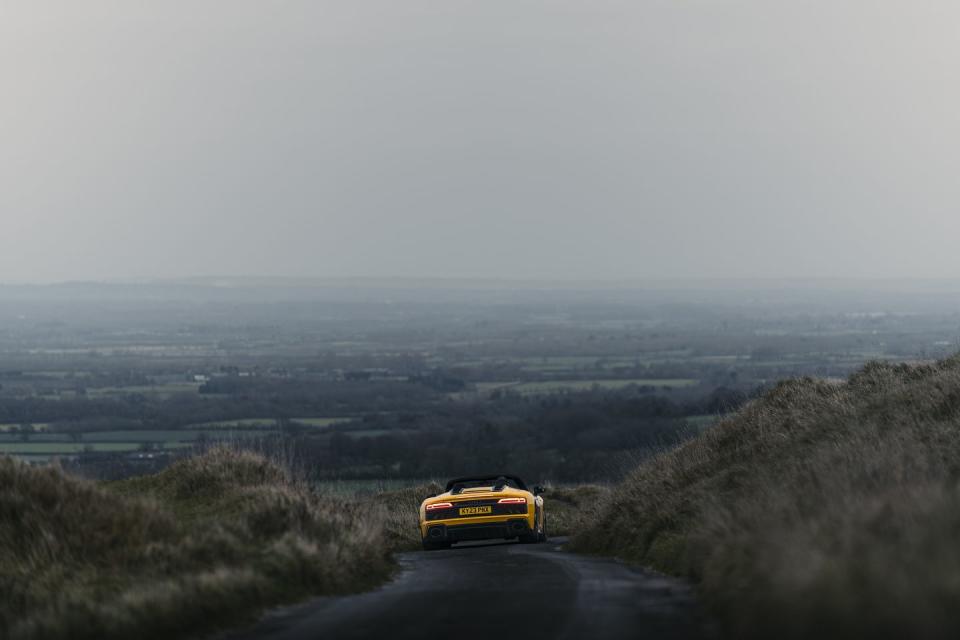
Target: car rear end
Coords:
[(449, 519)]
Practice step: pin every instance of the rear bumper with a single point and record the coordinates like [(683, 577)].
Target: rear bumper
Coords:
[(471, 522), (503, 530)]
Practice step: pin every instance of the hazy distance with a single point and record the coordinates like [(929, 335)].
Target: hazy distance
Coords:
[(535, 139)]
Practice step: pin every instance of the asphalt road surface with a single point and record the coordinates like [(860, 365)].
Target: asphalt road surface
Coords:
[(497, 590)]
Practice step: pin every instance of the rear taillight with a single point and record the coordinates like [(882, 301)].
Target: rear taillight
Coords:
[(512, 501), (439, 505)]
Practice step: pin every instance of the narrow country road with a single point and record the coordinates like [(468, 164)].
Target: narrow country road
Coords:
[(493, 591)]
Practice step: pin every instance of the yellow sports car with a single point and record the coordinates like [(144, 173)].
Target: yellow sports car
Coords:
[(483, 508)]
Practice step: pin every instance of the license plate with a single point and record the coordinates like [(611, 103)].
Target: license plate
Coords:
[(474, 511)]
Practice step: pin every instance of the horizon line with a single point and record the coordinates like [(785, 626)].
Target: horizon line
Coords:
[(241, 281)]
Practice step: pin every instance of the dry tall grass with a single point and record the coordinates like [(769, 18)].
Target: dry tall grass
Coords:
[(569, 510), (400, 509), (209, 541), (820, 510)]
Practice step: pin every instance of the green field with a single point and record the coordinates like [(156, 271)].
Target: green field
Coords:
[(373, 433), (36, 426), (138, 435), (263, 423), (572, 363), (53, 444), (169, 389), (69, 448), (320, 422), (61, 375), (551, 386), (160, 435), (239, 423)]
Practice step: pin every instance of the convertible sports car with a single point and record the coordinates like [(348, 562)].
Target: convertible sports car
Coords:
[(483, 508)]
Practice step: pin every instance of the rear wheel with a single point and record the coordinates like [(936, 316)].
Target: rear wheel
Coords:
[(542, 536), (536, 535), (433, 546)]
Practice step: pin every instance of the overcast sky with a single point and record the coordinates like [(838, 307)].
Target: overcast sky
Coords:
[(479, 138)]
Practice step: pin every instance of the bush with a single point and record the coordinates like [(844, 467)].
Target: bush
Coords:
[(570, 509), (209, 541), (822, 509), (400, 511)]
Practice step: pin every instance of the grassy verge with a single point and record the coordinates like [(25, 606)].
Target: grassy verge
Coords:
[(569, 510), (820, 510), (209, 541), (400, 509)]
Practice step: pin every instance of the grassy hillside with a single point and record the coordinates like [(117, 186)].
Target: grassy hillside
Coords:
[(210, 540), (569, 509), (821, 510)]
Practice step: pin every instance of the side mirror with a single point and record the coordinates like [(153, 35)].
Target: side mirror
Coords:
[(538, 490)]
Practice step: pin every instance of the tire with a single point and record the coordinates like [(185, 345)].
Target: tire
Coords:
[(542, 535), (435, 546), (534, 536)]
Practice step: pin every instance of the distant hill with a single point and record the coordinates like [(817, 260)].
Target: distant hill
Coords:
[(820, 510), (815, 296)]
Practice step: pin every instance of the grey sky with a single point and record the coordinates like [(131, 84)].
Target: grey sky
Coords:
[(482, 138)]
